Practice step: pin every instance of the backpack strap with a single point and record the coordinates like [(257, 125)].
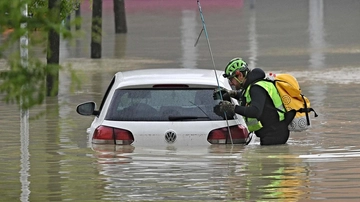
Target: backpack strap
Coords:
[(306, 110)]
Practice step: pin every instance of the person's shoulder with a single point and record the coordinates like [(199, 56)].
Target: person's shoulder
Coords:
[(258, 72), (256, 89)]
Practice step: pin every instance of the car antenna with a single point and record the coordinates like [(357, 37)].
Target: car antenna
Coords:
[(212, 59)]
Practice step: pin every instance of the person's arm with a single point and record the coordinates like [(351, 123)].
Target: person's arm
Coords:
[(254, 110), (238, 94)]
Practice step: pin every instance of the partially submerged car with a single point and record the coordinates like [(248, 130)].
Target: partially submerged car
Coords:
[(163, 107)]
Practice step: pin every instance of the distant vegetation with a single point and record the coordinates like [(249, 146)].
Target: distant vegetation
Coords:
[(24, 80)]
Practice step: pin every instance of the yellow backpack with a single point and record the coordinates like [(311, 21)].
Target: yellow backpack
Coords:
[(296, 104)]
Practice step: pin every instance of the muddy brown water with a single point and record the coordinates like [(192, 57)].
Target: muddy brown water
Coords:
[(49, 158)]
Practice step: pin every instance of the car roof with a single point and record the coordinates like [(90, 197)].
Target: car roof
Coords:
[(149, 77)]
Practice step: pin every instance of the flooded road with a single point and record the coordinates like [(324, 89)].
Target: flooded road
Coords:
[(48, 157)]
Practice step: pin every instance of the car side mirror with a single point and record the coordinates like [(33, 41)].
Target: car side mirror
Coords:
[(87, 109)]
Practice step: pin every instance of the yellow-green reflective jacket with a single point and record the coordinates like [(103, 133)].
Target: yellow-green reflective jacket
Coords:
[(254, 124)]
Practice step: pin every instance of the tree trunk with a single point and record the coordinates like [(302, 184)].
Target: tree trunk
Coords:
[(120, 16), (67, 22), (52, 77), (96, 29), (78, 15)]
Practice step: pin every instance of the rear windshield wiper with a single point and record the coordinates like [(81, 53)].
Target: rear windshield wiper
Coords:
[(207, 116), (184, 118)]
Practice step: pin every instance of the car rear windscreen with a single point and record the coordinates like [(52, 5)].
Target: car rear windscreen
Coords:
[(163, 104)]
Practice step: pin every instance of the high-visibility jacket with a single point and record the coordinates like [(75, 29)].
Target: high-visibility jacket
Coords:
[(254, 124)]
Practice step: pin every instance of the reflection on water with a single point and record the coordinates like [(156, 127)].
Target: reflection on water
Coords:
[(188, 39), (253, 43), (25, 157), (213, 173), (52, 160), (316, 29), (317, 47)]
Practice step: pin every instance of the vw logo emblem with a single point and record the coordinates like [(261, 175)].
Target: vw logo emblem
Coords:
[(170, 136)]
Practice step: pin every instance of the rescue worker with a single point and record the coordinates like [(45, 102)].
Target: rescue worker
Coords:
[(259, 101)]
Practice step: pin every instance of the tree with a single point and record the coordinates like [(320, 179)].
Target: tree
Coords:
[(26, 86), (96, 29), (120, 17)]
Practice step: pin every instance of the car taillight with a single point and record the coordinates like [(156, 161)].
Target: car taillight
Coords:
[(221, 135), (110, 135)]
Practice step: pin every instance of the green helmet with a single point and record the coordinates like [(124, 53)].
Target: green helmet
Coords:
[(236, 64)]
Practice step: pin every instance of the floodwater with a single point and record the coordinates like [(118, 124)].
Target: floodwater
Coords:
[(48, 158)]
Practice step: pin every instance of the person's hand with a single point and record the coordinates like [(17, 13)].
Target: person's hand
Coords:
[(227, 107), (226, 94), (224, 108)]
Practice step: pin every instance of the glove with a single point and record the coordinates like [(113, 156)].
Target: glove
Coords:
[(227, 107), (217, 111), (226, 94)]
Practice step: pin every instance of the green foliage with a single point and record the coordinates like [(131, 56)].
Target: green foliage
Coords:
[(25, 86), (65, 7), (25, 83)]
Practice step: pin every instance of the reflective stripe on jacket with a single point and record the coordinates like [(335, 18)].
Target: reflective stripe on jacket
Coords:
[(254, 124)]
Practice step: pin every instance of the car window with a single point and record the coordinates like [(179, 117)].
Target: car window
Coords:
[(107, 93), (163, 104)]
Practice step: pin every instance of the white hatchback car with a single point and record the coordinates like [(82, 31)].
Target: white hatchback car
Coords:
[(152, 107)]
